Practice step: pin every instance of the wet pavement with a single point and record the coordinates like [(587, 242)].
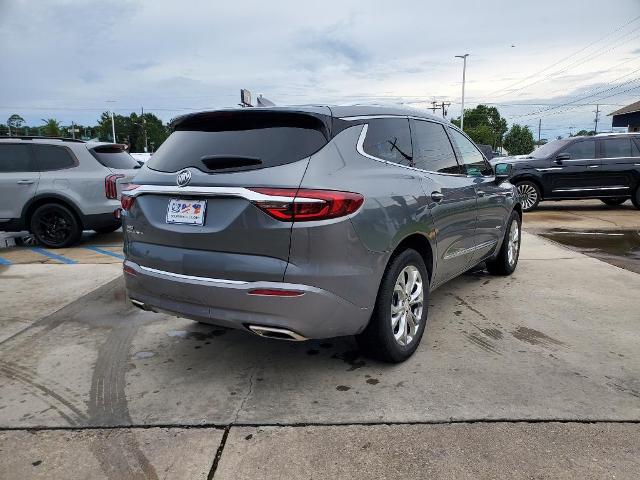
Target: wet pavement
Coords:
[(617, 247)]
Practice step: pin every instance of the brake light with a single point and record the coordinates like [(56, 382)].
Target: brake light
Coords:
[(110, 187), (304, 205), (126, 201)]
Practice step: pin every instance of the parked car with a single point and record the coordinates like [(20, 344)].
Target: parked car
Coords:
[(605, 166), (314, 222), (57, 187)]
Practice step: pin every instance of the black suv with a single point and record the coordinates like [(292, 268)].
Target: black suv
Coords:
[(605, 166)]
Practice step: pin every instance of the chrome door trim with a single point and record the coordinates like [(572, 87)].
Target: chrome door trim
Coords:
[(590, 189), (464, 251), (548, 169), (238, 192), (360, 149)]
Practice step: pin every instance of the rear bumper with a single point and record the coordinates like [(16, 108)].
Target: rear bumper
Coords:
[(314, 314)]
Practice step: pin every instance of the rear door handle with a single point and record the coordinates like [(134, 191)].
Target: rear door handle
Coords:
[(25, 182), (593, 166), (437, 196)]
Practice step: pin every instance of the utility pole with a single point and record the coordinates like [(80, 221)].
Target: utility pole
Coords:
[(144, 130), (464, 72), (539, 128), (113, 122), (597, 115)]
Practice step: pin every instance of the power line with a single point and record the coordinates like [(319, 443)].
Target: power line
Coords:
[(617, 29)]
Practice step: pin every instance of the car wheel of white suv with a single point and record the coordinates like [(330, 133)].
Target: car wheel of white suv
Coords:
[(55, 226)]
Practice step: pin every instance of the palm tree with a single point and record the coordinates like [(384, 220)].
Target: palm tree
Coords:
[(51, 127)]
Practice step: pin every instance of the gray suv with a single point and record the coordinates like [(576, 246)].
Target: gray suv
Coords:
[(314, 222), (57, 187)]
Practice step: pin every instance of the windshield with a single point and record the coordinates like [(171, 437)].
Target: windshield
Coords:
[(548, 148)]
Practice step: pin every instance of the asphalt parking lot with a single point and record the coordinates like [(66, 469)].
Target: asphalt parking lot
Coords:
[(537, 374)]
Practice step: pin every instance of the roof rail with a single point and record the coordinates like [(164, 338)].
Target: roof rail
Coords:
[(608, 134), (41, 137)]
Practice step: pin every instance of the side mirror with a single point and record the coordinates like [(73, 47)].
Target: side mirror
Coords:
[(561, 157), (502, 172)]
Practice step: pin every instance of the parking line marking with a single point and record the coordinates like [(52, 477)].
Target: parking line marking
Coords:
[(4, 261), (52, 255), (104, 252)]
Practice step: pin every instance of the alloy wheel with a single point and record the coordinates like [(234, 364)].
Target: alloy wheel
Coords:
[(54, 226), (528, 195), (513, 245), (407, 303)]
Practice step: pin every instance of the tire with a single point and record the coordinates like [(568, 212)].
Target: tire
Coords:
[(55, 226), (613, 202), (507, 260), (635, 198), (530, 195), (109, 229), (382, 339)]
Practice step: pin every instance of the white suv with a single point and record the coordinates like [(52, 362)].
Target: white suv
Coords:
[(56, 188)]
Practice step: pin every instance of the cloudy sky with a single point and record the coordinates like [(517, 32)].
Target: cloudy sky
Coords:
[(546, 59)]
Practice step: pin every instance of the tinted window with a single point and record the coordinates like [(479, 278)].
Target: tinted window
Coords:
[(582, 150), (16, 158), (113, 156), (50, 157), (389, 139), (635, 150), (432, 149), (616, 147), (548, 148), (474, 163), (240, 141)]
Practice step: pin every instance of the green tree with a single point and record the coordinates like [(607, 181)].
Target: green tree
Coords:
[(484, 125), (14, 122), (4, 130), (519, 140), (585, 133), (52, 128), (131, 130)]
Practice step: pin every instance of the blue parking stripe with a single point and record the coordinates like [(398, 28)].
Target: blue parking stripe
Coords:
[(4, 261), (104, 252), (55, 256)]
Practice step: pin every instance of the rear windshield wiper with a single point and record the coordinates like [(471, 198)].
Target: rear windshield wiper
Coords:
[(221, 162)]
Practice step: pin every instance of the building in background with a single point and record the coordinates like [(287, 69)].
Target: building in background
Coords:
[(628, 117)]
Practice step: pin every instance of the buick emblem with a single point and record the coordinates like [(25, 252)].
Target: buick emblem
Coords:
[(183, 178)]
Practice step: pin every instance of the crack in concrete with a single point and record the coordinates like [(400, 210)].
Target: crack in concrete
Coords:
[(244, 399)]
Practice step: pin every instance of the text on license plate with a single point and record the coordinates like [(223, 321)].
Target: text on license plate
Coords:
[(190, 212)]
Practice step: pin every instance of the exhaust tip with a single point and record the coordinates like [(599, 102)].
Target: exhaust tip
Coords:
[(277, 333), (140, 305)]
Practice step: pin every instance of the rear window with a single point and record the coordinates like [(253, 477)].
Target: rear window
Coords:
[(389, 139), (232, 141), (51, 157), (113, 156)]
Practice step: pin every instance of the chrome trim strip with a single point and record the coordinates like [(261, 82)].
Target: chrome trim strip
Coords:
[(191, 277), (413, 117), (464, 251), (588, 189), (548, 169), (239, 192), (360, 149)]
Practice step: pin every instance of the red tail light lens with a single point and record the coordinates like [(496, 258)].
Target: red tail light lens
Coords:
[(126, 201), (110, 187), (305, 205), (272, 292)]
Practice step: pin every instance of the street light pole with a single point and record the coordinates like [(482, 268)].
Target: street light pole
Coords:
[(113, 123), (464, 72)]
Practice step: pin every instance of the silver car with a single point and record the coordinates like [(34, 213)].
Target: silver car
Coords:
[(313, 222), (57, 187)]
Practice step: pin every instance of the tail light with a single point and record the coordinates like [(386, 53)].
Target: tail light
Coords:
[(110, 187), (127, 201), (304, 205), (272, 292)]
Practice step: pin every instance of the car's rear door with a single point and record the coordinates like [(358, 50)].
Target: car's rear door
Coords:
[(579, 175), (19, 179), (619, 157), (451, 198), (210, 165)]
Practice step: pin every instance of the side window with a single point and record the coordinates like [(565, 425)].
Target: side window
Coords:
[(389, 139), (51, 157), (635, 148), (432, 149), (616, 147), (585, 150), (474, 162), (16, 158)]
